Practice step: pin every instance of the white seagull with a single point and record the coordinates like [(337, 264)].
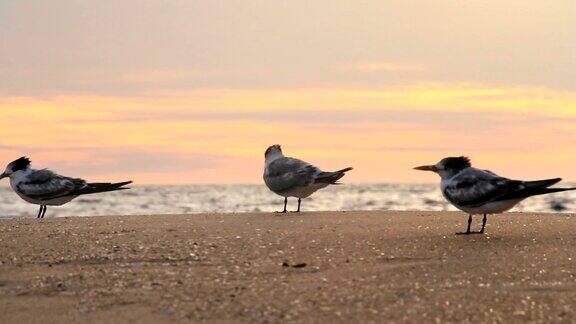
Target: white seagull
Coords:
[(482, 192), (289, 177), (46, 188)]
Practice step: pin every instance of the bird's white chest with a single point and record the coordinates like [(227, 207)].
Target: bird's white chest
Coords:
[(14, 183), (17, 178)]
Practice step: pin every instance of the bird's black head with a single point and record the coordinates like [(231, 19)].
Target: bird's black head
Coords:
[(274, 149), (448, 167), (21, 164), (455, 163)]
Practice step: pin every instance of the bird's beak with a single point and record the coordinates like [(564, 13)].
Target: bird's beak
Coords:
[(432, 168), (3, 175)]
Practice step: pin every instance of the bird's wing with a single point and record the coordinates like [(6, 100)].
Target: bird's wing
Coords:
[(45, 185), (477, 187), (286, 173)]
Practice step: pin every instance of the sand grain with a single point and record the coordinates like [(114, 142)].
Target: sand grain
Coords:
[(313, 267)]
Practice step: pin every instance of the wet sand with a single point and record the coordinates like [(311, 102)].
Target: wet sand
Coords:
[(309, 267)]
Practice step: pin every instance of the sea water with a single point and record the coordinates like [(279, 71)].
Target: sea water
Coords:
[(147, 200)]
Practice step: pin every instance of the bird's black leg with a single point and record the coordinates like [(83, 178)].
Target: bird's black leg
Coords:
[(40, 211), (468, 232), (44, 212), (299, 203), (285, 205), (483, 224)]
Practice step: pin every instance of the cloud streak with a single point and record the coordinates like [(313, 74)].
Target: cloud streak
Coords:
[(381, 66), (208, 136)]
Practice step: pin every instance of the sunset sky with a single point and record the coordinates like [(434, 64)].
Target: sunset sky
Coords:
[(176, 92)]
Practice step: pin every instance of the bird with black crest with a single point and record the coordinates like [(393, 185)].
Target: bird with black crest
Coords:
[(482, 192), (46, 188)]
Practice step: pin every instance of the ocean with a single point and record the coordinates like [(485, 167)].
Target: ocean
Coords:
[(147, 200)]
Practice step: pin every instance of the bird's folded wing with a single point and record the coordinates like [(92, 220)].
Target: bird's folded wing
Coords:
[(477, 189), (45, 184), (286, 173)]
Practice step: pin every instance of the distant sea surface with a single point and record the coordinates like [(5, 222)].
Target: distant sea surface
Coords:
[(147, 200)]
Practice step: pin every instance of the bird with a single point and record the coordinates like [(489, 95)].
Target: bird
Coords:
[(483, 192), (46, 188), (290, 177)]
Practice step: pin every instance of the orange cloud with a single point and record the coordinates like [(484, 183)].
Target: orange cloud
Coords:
[(211, 136)]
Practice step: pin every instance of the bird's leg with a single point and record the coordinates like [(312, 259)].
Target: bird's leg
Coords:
[(44, 212), (468, 232), (285, 205), (299, 203), (40, 211), (483, 224)]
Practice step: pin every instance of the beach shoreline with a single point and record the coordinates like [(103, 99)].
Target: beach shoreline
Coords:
[(309, 267)]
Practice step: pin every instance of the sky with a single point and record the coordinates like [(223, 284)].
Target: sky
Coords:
[(186, 92)]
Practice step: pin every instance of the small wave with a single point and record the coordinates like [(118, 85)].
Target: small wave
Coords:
[(257, 198)]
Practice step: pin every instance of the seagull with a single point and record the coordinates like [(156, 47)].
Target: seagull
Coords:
[(482, 192), (46, 188), (289, 177)]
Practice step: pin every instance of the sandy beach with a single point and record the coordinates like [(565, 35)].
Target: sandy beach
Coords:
[(309, 267)]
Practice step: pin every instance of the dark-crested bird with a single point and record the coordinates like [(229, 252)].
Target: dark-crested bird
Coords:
[(289, 177), (482, 192), (46, 188)]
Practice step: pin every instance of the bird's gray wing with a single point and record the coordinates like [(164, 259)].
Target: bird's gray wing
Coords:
[(45, 185), (286, 173), (477, 187)]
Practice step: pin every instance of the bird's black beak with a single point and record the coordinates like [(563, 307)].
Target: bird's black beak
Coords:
[(3, 175), (432, 168)]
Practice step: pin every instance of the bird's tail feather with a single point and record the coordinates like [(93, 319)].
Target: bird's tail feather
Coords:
[(537, 192), (92, 188), (544, 191), (542, 183), (332, 177)]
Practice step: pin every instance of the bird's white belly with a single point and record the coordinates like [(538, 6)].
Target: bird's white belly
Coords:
[(59, 201), (53, 202), (491, 208), (304, 192)]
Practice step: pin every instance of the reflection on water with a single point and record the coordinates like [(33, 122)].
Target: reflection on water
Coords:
[(257, 198)]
